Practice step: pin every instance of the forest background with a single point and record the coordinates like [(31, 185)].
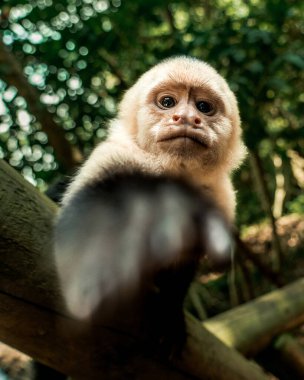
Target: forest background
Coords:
[(64, 65)]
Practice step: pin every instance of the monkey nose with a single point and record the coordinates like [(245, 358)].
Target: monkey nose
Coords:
[(197, 120), (179, 119)]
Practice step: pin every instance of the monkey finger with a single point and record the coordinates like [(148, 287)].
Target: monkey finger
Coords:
[(218, 242)]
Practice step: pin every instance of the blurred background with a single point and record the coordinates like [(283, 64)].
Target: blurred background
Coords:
[(64, 64)]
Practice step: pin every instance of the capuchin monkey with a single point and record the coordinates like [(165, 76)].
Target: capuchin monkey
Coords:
[(156, 194)]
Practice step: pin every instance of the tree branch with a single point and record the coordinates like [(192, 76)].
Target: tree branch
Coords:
[(12, 73)]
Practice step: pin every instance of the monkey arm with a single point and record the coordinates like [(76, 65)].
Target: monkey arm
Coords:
[(108, 156)]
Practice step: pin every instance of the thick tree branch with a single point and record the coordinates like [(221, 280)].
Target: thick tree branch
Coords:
[(251, 326)]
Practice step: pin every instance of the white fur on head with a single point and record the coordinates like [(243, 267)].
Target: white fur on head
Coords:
[(189, 71)]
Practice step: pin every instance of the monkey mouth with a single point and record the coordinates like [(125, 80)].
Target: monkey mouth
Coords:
[(184, 133)]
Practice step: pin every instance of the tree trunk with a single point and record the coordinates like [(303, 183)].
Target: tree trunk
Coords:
[(256, 164)]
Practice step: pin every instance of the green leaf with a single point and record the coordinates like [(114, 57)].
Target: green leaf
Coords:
[(295, 59)]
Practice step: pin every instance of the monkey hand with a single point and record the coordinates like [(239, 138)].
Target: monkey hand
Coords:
[(113, 235)]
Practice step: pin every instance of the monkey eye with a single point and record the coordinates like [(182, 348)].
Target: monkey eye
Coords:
[(167, 102), (205, 107)]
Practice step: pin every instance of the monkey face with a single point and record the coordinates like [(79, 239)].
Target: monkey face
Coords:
[(185, 108), (185, 121)]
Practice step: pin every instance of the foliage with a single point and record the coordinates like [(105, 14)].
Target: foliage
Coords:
[(82, 54)]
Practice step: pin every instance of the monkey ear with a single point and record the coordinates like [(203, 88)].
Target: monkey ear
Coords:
[(128, 109), (238, 154)]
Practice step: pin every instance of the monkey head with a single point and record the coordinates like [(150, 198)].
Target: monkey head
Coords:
[(182, 107)]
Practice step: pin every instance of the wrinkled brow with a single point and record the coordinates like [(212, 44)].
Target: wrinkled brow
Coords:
[(168, 85), (176, 84)]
